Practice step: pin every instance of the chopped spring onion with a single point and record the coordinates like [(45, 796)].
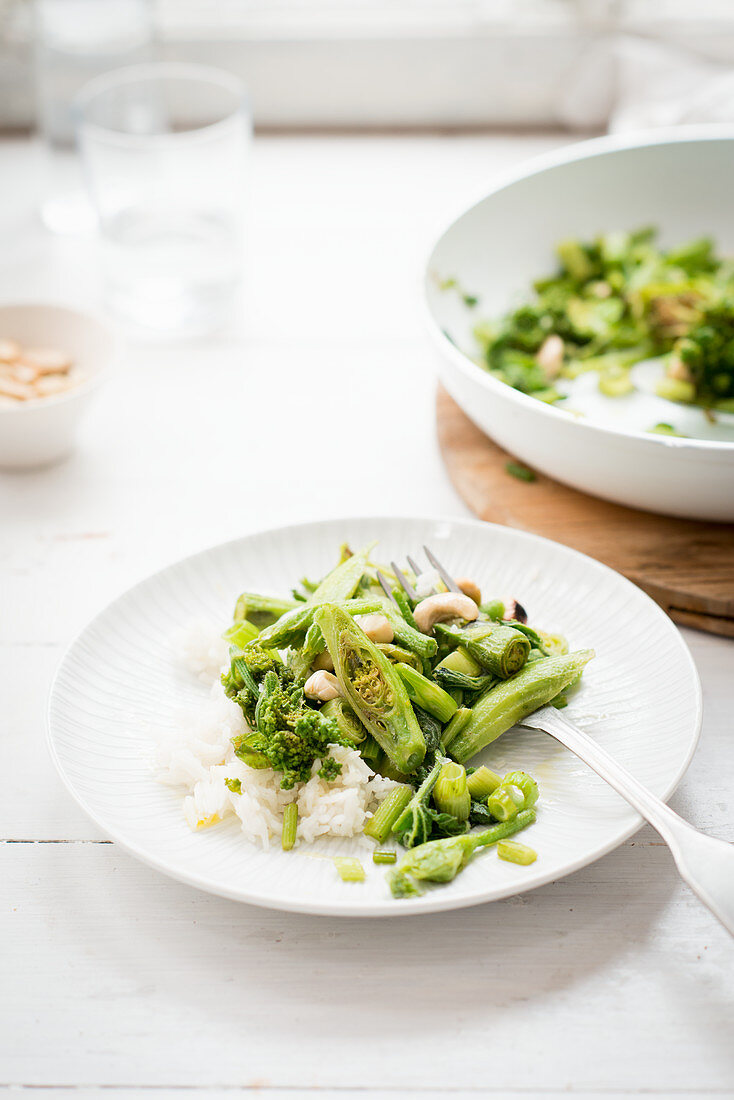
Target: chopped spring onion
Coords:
[(482, 783)]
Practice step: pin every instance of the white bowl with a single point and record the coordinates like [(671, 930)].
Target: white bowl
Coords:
[(38, 432), (680, 181)]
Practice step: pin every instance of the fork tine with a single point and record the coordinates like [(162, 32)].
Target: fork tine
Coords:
[(414, 565), (445, 576), (403, 581), (385, 584)]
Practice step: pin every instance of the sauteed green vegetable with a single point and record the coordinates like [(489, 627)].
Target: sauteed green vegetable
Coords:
[(418, 685), (617, 300)]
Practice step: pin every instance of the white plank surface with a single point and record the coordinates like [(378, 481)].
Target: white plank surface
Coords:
[(611, 982)]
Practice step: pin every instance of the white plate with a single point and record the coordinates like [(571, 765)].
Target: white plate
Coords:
[(120, 680), (679, 181)]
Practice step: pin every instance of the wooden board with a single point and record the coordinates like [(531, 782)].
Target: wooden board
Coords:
[(685, 565)]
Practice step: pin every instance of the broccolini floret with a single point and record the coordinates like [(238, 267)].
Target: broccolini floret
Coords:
[(289, 734)]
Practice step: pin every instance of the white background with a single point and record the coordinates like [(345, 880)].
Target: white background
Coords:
[(612, 982)]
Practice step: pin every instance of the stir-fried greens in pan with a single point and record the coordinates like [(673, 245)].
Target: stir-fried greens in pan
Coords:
[(418, 679)]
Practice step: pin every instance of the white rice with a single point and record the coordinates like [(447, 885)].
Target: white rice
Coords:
[(199, 757)]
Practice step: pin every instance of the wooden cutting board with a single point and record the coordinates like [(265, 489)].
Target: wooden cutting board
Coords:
[(685, 565)]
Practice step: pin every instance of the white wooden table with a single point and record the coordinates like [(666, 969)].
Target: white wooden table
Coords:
[(612, 982)]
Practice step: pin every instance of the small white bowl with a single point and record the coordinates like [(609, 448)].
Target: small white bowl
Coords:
[(43, 430), (680, 181)]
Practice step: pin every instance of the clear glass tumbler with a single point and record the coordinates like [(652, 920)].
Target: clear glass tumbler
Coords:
[(76, 40), (164, 148)]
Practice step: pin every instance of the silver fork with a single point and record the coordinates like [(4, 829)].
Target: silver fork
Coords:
[(704, 862)]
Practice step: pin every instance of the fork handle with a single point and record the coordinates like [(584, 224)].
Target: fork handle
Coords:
[(704, 862)]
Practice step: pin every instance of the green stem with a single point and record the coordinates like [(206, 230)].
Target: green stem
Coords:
[(290, 826), (381, 823)]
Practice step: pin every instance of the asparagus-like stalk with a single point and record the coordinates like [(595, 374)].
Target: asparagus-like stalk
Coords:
[(241, 633), (451, 793), (499, 649), (381, 823), (503, 706), (456, 725), (482, 783), (370, 750), (372, 688), (290, 826), (441, 860), (291, 629), (426, 694), (341, 583), (261, 610)]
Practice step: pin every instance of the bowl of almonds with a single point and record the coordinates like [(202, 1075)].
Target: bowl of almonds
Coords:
[(52, 359)]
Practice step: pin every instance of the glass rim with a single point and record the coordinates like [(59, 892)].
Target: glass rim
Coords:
[(161, 71)]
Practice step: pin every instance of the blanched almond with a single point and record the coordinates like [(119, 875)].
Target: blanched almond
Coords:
[(46, 360), (50, 384), (10, 388), (9, 351)]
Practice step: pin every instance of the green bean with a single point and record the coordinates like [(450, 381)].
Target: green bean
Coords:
[(503, 706), (387, 813), (350, 870), (408, 636), (405, 609), (261, 610), (459, 720), (292, 628), (240, 633), (426, 694), (514, 852), (397, 655), (342, 582), (384, 855), (290, 826), (451, 793), (372, 688), (482, 782)]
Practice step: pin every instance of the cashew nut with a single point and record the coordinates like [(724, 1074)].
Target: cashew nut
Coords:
[(470, 588), (444, 606), (679, 370), (378, 628), (323, 686), (323, 661), (550, 356)]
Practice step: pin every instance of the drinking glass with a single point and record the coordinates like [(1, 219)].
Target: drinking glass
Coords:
[(76, 40), (164, 148)]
